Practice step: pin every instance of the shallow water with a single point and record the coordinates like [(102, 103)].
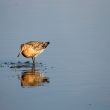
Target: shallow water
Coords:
[(76, 63)]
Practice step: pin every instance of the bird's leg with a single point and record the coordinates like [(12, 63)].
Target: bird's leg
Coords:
[(33, 59), (33, 68)]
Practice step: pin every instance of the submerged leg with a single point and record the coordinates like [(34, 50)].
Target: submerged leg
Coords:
[(33, 68)]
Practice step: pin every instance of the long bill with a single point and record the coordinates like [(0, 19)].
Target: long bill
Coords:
[(19, 54)]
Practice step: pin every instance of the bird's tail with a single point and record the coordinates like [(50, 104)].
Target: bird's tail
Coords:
[(48, 43), (45, 44)]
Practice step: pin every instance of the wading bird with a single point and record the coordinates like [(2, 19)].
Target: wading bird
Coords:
[(32, 49)]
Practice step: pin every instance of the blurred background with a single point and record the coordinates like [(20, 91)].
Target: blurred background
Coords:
[(79, 51)]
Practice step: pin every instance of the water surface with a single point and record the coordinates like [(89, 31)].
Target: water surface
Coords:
[(76, 63)]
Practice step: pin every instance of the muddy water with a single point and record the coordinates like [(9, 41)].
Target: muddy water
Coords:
[(73, 72)]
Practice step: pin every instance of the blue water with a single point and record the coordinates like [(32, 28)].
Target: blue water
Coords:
[(77, 59)]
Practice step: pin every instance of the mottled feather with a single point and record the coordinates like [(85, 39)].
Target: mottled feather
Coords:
[(32, 49)]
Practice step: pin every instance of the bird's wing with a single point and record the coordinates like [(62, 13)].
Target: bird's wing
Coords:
[(38, 45)]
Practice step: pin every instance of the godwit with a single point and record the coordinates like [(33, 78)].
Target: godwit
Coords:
[(32, 49)]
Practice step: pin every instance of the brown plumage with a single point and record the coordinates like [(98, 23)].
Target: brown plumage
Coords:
[(32, 49)]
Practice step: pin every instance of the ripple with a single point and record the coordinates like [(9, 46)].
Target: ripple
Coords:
[(25, 65), (30, 75)]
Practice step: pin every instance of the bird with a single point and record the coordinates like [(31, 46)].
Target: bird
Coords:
[(32, 49)]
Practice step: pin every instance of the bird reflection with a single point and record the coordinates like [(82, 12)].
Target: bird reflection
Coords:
[(33, 78)]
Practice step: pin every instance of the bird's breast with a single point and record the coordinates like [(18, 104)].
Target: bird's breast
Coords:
[(28, 53)]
